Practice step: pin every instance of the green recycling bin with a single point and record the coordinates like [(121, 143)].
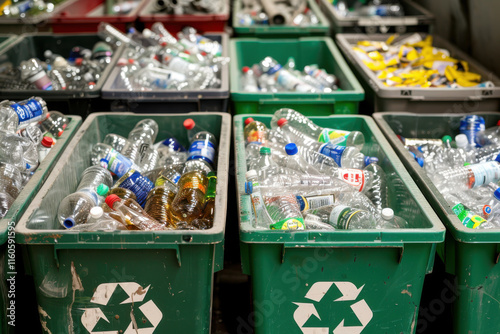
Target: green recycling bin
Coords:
[(306, 51), (471, 255), (123, 281), (9, 257), (366, 281)]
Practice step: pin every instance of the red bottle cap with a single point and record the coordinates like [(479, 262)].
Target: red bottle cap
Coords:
[(111, 199), (78, 61), (59, 134), (188, 124), (282, 122), (248, 120), (164, 44), (47, 142), (498, 123), (245, 69), (131, 61)]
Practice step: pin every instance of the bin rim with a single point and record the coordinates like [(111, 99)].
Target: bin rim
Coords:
[(425, 17), (355, 94), (262, 31), (83, 18), (168, 95), (437, 201), (60, 94), (143, 16), (41, 174), (418, 93), (362, 238), (134, 239)]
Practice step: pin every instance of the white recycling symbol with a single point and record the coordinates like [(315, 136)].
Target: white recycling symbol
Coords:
[(349, 293), (135, 293)]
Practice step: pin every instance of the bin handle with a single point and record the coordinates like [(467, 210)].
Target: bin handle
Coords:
[(142, 245), (399, 246)]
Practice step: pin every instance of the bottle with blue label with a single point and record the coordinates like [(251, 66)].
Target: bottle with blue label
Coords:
[(117, 163), (136, 183), (18, 115), (203, 144), (75, 208), (471, 125)]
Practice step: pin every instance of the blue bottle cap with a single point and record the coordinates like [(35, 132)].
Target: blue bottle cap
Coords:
[(487, 209), (291, 149), (301, 201), (420, 149), (176, 179), (104, 163), (69, 222), (370, 160), (174, 144), (248, 187), (131, 30), (496, 193), (420, 161)]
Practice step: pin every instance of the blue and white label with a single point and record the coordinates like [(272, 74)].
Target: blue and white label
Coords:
[(29, 112), (117, 163), (470, 126), (485, 173), (139, 185), (333, 151), (202, 149)]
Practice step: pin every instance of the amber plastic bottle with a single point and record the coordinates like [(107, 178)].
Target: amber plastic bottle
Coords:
[(123, 193), (159, 204), (206, 220), (133, 217), (189, 202)]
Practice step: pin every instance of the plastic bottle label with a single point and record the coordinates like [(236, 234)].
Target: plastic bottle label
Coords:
[(139, 185), (257, 203), (470, 126), (333, 151), (313, 202), (28, 112), (337, 137), (292, 224), (485, 173), (92, 194), (117, 163), (341, 216), (274, 69), (466, 217), (202, 149), (355, 177), (41, 81)]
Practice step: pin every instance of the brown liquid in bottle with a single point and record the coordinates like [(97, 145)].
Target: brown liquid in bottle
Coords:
[(120, 192), (159, 205), (189, 202)]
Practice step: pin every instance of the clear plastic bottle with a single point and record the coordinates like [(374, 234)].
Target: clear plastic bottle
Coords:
[(33, 72), (489, 136), (466, 217), (113, 36), (114, 161), (248, 81), (11, 183), (323, 135), (99, 220), (255, 131), (265, 165), (44, 148), (55, 123), (284, 77), (357, 200), (199, 165), (33, 133), (189, 201), (468, 153), (142, 137), (466, 177), (327, 80), (283, 210), (252, 187), (342, 217), (470, 125), (203, 43), (19, 151), (378, 190), (74, 208), (160, 29), (389, 220), (18, 115), (295, 161), (171, 173), (133, 217), (203, 146), (115, 141), (149, 159), (171, 152)]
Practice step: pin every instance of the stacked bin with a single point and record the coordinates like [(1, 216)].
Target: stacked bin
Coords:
[(305, 50), (416, 18), (363, 281), (10, 260), (281, 31), (422, 100), (33, 46), (175, 23), (85, 16), (106, 281), (170, 101), (471, 255)]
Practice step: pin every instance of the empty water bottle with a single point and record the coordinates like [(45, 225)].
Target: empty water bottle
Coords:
[(17, 115)]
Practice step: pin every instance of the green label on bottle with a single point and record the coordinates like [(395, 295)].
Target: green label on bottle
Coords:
[(467, 218), (294, 224), (337, 137)]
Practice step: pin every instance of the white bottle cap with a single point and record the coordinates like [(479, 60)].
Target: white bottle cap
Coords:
[(60, 62), (387, 213), (96, 212), (461, 140), (147, 33), (251, 173)]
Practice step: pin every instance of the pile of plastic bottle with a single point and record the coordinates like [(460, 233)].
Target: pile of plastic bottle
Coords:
[(81, 70), (270, 76), (302, 176), (465, 170), (28, 132), (412, 61), (363, 8), (24, 9), (134, 184), (188, 7), (155, 59), (270, 12)]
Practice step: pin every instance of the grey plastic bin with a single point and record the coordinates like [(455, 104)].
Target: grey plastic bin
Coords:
[(422, 100), (416, 18), (171, 101)]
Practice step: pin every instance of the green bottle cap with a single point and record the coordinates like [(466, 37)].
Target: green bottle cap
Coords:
[(265, 151), (466, 163), (102, 189), (447, 139)]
